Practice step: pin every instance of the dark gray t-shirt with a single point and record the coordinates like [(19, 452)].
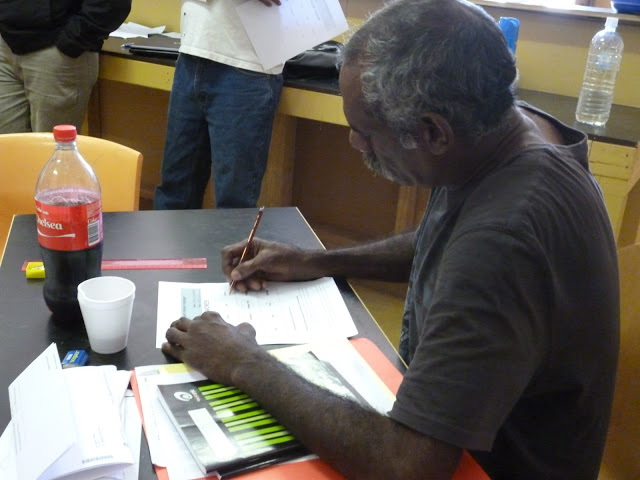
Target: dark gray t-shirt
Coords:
[(511, 325)]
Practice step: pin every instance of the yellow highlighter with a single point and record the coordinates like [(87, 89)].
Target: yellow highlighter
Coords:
[(35, 270)]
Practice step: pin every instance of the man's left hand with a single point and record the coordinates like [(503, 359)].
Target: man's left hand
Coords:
[(212, 346)]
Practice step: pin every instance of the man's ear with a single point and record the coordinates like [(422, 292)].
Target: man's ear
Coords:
[(436, 132)]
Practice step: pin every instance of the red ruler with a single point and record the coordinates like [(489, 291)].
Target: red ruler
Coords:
[(147, 263)]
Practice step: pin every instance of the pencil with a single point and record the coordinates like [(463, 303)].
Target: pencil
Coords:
[(248, 245)]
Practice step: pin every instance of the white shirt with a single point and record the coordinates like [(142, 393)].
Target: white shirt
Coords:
[(212, 29)]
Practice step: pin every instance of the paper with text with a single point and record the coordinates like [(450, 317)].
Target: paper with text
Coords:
[(278, 33), (39, 417), (284, 313), (66, 423)]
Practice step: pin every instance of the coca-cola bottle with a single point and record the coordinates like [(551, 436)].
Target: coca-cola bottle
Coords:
[(69, 214)]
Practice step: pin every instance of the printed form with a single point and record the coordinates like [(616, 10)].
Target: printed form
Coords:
[(67, 423), (284, 313)]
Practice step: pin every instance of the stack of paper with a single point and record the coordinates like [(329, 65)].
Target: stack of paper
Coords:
[(77, 423)]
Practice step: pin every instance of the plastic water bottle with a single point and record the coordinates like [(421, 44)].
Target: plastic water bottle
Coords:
[(69, 215), (603, 63)]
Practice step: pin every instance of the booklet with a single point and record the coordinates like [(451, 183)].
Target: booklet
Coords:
[(228, 432), (225, 429)]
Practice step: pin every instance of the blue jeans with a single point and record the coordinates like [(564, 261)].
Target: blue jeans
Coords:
[(219, 116)]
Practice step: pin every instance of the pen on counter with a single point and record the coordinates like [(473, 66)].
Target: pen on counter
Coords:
[(126, 45), (248, 245)]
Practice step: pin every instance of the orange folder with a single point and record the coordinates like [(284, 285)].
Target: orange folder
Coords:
[(316, 469)]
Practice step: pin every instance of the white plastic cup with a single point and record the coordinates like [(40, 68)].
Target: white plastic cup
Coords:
[(106, 304)]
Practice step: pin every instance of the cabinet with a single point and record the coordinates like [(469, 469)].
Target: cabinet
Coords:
[(612, 166)]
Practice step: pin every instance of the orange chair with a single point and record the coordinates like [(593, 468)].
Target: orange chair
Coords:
[(22, 156)]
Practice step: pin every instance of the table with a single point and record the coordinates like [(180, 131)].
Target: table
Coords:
[(27, 329)]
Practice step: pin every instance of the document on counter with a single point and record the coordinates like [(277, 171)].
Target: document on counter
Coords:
[(132, 30), (284, 313), (278, 33)]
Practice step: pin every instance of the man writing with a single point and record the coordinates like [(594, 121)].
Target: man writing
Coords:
[(510, 329)]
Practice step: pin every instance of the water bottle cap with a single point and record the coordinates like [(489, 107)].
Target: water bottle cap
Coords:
[(64, 133), (611, 23)]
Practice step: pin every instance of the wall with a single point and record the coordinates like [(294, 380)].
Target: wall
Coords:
[(552, 52)]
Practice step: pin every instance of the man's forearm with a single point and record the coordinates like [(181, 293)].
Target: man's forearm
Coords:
[(389, 259), (359, 442)]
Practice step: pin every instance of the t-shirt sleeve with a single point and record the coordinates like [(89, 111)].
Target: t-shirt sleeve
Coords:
[(91, 25), (482, 340)]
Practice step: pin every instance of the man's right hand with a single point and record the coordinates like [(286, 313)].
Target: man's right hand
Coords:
[(266, 261)]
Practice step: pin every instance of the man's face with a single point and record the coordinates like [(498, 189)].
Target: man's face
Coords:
[(381, 149)]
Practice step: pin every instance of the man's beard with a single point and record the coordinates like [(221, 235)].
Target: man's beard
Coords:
[(373, 163)]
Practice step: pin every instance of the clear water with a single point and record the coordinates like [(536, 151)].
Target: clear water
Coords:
[(596, 96)]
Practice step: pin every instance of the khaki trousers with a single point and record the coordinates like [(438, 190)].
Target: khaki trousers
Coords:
[(45, 88)]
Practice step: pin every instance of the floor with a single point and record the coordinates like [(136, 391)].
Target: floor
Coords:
[(385, 302)]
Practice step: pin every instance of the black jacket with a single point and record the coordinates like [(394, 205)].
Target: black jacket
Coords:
[(74, 26)]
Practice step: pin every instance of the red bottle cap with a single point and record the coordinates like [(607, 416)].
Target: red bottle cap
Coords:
[(64, 133)]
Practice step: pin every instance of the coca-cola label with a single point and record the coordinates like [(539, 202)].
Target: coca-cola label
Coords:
[(69, 227)]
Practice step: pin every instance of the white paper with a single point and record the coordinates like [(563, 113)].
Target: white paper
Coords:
[(40, 414), (66, 423), (346, 360), (285, 313), (166, 447), (132, 29), (99, 448), (132, 427), (8, 468), (278, 33)]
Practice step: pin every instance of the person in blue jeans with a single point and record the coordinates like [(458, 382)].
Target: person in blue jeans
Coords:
[(221, 112)]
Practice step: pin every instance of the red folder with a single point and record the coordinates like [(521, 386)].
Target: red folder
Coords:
[(316, 469)]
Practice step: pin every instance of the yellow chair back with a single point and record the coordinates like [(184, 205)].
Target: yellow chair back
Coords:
[(22, 156)]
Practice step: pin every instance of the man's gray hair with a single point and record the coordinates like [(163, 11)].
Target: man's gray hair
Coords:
[(442, 56)]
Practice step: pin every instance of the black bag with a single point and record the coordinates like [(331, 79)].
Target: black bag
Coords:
[(317, 63)]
